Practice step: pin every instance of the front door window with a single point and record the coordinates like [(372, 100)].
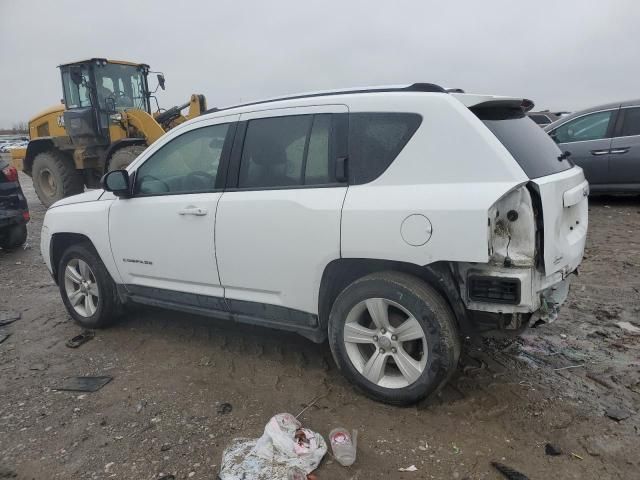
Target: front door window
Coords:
[(589, 127)]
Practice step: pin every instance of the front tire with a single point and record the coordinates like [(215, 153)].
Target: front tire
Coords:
[(87, 290), (394, 336), (124, 156), (13, 237), (55, 177)]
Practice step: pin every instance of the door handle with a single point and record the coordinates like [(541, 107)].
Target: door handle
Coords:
[(620, 150), (191, 210), (599, 152)]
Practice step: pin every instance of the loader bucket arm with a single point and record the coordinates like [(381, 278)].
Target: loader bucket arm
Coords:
[(145, 124), (197, 106)]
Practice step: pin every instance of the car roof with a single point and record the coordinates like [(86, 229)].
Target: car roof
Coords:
[(467, 99), (597, 108)]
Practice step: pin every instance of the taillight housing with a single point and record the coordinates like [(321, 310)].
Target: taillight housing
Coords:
[(512, 230), (10, 173)]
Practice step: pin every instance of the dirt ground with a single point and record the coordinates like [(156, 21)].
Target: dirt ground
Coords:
[(161, 413)]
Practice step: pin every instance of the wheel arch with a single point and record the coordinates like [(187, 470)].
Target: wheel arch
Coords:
[(60, 242), (35, 147), (340, 273)]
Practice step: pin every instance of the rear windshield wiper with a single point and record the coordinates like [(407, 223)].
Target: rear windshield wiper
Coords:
[(564, 155)]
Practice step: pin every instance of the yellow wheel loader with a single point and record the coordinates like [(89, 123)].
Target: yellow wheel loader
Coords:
[(104, 123)]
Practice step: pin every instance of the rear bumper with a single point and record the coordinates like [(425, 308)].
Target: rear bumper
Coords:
[(9, 218), (537, 294)]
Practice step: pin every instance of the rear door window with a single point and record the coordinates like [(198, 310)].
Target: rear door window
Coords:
[(529, 145), (375, 140), (286, 151)]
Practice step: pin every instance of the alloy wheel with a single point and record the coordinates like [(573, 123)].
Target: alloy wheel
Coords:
[(385, 343), (81, 287)]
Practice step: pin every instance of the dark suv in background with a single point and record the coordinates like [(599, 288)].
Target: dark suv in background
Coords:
[(14, 212), (605, 142)]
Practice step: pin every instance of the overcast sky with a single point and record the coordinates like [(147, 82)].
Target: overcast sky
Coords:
[(565, 54)]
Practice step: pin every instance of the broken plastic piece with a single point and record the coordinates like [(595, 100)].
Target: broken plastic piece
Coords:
[(552, 450), (84, 384), (78, 340), (509, 472), (7, 317)]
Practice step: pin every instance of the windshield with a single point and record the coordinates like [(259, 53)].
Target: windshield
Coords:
[(121, 87)]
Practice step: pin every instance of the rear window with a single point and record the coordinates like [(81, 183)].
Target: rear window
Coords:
[(529, 145), (375, 140)]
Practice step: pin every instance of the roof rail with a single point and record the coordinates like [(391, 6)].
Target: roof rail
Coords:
[(415, 87)]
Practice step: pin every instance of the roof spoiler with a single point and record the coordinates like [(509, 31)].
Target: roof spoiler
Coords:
[(502, 109)]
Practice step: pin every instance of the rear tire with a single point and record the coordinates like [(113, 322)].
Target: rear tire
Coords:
[(124, 156), (410, 359), (88, 291), (13, 237), (55, 177)]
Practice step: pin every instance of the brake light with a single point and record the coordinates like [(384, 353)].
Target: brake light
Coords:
[(26, 216), (10, 173)]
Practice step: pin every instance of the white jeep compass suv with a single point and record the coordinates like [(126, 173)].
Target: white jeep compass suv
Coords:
[(392, 221)]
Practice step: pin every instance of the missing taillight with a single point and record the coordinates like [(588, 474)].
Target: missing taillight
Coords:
[(10, 173)]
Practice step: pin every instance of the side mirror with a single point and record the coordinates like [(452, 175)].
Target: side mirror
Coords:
[(117, 182), (75, 72), (161, 80)]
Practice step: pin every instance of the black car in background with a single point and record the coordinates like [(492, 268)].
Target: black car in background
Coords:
[(14, 212)]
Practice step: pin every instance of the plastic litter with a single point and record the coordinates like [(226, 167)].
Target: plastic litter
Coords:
[(343, 445), (412, 468), (284, 451)]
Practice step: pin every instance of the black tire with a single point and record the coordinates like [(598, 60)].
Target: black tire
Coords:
[(124, 156), (55, 177), (13, 237), (109, 307), (434, 316)]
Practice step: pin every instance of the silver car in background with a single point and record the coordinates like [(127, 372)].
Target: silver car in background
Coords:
[(605, 142)]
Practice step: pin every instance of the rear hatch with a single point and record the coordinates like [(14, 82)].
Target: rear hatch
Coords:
[(561, 186)]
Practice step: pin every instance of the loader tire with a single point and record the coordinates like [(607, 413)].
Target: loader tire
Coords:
[(55, 177), (124, 156)]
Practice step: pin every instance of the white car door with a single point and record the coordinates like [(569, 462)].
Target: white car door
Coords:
[(162, 238), (278, 222)]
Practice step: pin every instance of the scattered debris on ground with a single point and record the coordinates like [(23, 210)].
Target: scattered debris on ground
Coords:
[(285, 450), (78, 340), (84, 384), (172, 372)]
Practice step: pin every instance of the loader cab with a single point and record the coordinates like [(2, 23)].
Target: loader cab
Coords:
[(95, 91)]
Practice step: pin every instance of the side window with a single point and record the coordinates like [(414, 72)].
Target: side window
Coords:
[(631, 125), (375, 140), (187, 164), (590, 127), (286, 151)]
